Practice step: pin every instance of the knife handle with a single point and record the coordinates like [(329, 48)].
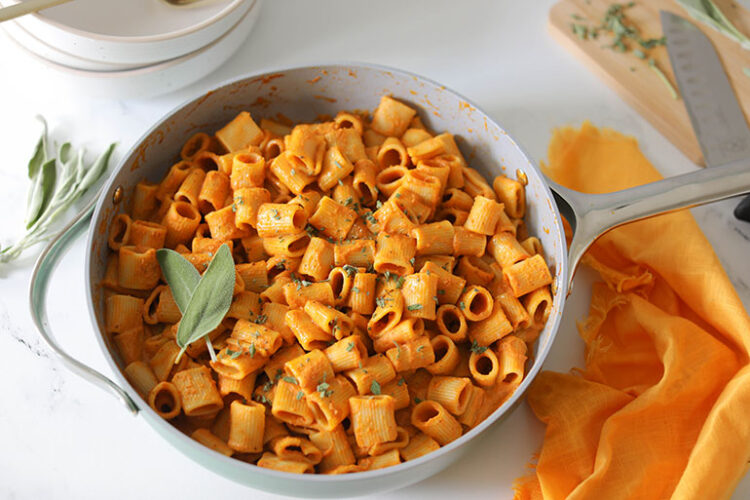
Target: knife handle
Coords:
[(742, 211)]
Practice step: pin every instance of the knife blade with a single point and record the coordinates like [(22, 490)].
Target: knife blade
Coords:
[(715, 113)]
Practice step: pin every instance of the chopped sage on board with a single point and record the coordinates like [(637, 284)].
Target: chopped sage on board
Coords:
[(627, 38)]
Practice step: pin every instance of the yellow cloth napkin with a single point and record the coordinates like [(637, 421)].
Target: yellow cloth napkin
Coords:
[(662, 407)]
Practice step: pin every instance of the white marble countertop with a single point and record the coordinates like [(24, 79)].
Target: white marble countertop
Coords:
[(61, 437)]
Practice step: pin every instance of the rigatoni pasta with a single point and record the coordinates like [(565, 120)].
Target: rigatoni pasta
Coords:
[(384, 294)]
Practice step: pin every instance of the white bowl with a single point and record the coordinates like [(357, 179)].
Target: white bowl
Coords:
[(154, 79), (132, 32), (56, 55)]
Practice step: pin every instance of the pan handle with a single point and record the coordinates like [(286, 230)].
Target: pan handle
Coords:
[(591, 215), (43, 269)]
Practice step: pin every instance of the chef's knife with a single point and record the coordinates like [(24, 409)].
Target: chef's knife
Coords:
[(715, 114)]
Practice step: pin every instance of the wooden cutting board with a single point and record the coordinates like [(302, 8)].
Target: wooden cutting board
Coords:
[(631, 77)]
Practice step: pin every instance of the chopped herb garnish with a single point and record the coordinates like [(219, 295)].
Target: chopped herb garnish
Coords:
[(417, 400), (300, 395), (375, 388), (401, 381), (355, 289), (476, 348), (323, 389), (289, 379), (412, 261), (461, 305), (400, 282), (369, 217), (261, 319), (233, 354), (350, 270), (349, 346), (414, 307), (276, 214), (251, 350), (378, 204), (579, 30)]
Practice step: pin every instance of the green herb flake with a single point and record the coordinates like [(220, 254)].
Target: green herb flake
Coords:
[(476, 348), (350, 270), (290, 380), (375, 388), (349, 346), (251, 350), (417, 400), (579, 30), (401, 381), (414, 307), (323, 389), (300, 395), (461, 305)]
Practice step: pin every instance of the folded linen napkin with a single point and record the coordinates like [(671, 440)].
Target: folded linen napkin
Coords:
[(662, 407)]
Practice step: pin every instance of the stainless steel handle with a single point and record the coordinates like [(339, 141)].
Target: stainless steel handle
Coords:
[(591, 215), (43, 269)]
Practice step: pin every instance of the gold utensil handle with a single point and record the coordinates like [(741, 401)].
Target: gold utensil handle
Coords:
[(27, 7)]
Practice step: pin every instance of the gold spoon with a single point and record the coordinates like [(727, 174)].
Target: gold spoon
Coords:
[(30, 6)]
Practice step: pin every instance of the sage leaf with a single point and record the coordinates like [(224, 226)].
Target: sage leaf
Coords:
[(44, 185), (210, 301), (182, 277), (96, 170), (39, 157)]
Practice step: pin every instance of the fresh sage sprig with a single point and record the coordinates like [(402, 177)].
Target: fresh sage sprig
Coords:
[(202, 300), (707, 12), (54, 189)]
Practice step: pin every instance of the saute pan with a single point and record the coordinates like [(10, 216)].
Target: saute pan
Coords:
[(303, 94)]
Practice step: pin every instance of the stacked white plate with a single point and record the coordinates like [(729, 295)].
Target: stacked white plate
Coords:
[(133, 48)]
